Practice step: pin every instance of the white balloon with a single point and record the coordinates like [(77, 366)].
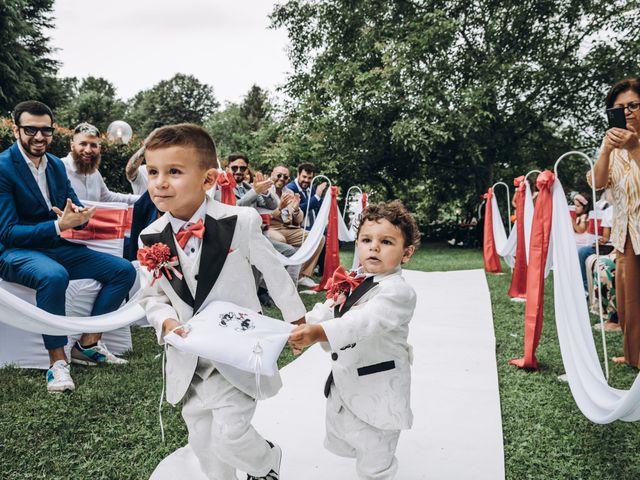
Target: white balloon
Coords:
[(119, 132)]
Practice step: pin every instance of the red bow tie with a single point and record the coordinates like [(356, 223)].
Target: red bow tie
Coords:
[(342, 282), (195, 230)]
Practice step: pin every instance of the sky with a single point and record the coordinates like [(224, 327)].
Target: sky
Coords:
[(137, 43)]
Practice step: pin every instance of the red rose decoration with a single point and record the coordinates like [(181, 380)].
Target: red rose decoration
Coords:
[(157, 258)]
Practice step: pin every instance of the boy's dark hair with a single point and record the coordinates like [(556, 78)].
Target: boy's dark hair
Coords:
[(237, 156), (32, 107), (396, 214), (185, 135), (307, 167), (621, 86)]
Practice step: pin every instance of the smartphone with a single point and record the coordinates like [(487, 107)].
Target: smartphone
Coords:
[(616, 117)]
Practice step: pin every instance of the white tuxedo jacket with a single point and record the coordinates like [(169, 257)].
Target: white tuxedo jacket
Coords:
[(232, 243), (370, 356)]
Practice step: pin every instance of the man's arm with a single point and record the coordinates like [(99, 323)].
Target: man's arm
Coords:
[(131, 170), (107, 195)]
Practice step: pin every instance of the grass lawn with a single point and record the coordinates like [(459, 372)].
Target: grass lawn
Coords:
[(108, 428)]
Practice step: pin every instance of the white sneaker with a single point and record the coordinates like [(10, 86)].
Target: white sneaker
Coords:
[(59, 377), (98, 355), (307, 282)]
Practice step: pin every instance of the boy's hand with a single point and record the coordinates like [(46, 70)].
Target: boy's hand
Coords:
[(169, 324), (305, 335)]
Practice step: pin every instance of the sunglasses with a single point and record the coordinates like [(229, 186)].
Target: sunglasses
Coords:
[(30, 131), (282, 175), (238, 168)]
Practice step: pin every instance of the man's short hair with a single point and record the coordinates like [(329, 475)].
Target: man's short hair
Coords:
[(395, 213), (307, 167), (87, 129), (186, 135), (32, 107), (237, 156)]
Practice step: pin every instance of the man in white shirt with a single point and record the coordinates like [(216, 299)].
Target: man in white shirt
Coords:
[(82, 164)]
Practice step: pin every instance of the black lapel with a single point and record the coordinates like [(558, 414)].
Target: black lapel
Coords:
[(215, 248), (356, 295), (166, 236), (27, 176)]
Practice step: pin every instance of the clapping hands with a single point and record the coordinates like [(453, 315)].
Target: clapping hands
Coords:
[(73, 216), (261, 184)]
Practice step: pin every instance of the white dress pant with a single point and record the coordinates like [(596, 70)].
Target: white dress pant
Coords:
[(218, 418), (348, 436)]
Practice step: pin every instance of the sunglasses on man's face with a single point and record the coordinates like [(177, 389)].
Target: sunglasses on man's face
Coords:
[(282, 175), (238, 168), (30, 131)]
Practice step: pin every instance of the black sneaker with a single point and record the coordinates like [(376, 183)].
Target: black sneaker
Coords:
[(274, 473)]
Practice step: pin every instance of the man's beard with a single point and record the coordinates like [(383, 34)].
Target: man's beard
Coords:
[(84, 167), (26, 145)]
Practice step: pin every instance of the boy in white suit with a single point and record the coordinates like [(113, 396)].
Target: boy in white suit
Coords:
[(215, 246), (365, 325)]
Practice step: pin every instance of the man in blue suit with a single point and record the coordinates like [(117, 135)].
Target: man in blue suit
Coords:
[(37, 203), (301, 185)]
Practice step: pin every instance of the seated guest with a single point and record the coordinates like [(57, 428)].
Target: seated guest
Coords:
[(286, 220), (82, 164), (582, 204), (37, 203), (137, 173), (145, 213), (302, 186), (605, 218), (604, 290), (257, 195)]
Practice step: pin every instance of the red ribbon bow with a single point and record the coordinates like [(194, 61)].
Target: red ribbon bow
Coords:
[(518, 182), (342, 282), (195, 230)]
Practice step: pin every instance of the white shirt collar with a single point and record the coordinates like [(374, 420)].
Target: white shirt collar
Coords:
[(177, 224), (43, 162), (68, 160)]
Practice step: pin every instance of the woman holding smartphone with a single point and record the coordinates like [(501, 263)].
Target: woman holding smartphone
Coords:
[(618, 168)]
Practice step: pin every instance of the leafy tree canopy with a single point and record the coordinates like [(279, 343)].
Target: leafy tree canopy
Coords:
[(433, 100), (182, 98)]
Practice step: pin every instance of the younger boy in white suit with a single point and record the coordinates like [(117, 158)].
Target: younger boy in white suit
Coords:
[(215, 246), (365, 326)]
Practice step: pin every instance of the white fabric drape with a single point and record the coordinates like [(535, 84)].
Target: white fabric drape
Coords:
[(505, 247), (313, 239), (599, 402)]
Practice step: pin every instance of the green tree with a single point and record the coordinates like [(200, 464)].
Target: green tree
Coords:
[(433, 100), (27, 70), (182, 98), (94, 100), (247, 127)]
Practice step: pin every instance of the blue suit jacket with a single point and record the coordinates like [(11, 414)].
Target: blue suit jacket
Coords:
[(314, 206), (25, 219)]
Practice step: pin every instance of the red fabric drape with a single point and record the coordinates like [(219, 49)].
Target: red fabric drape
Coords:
[(491, 259), (226, 183), (518, 288), (538, 251), (332, 252), (364, 200), (106, 224)]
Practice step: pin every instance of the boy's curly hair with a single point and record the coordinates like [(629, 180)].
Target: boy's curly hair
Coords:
[(395, 213)]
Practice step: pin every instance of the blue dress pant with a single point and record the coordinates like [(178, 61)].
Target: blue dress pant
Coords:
[(583, 254), (48, 272)]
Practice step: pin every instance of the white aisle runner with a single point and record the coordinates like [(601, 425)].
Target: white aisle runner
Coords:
[(457, 431)]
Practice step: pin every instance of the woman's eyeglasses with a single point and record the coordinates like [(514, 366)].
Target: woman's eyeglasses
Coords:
[(632, 106), (238, 168), (30, 131), (282, 175)]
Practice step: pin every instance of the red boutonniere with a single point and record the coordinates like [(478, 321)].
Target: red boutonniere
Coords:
[(157, 258), (341, 284)]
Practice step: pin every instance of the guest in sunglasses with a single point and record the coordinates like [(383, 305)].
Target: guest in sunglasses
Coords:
[(257, 195), (286, 222)]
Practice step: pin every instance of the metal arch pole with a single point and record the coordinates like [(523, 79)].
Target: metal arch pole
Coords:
[(593, 196), (306, 214), (508, 202), (346, 198), (532, 171)]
